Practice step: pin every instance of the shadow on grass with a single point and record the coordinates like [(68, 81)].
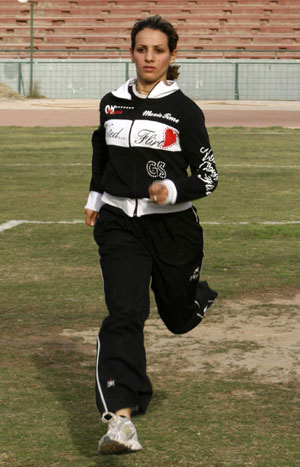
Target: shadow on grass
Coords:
[(69, 375)]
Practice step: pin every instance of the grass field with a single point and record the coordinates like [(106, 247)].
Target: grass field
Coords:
[(226, 394)]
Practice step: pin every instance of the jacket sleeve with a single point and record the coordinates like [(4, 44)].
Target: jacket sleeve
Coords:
[(100, 153), (99, 159), (199, 155)]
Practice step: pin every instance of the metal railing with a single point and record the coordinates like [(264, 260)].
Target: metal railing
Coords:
[(200, 78), (239, 52)]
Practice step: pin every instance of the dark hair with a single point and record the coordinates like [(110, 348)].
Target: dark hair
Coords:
[(158, 23)]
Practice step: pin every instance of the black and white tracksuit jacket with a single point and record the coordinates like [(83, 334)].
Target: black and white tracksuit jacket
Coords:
[(152, 139), (141, 140)]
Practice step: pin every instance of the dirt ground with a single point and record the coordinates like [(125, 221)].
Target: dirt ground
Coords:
[(6, 93), (247, 335), (17, 111)]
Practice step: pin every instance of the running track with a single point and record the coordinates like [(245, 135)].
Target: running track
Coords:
[(63, 112)]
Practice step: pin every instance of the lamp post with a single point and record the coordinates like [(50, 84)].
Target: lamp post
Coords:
[(31, 45)]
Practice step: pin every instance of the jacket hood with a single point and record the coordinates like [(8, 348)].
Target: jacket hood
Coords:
[(160, 89)]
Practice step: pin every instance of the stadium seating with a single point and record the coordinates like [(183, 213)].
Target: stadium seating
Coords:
[(206, 28)]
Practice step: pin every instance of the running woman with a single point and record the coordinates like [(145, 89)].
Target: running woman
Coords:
[(151, 159)]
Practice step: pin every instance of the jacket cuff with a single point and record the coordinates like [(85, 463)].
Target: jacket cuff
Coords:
[(94, 202), (172, 191)]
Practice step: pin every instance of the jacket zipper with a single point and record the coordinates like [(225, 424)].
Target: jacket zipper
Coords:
[(129, 143), (135, 208)]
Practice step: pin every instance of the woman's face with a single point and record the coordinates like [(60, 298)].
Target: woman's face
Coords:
[(152, 56)]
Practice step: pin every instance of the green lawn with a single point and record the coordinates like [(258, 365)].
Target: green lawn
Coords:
[(50, 283)]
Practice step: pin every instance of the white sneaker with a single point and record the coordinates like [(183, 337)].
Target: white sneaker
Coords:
[(121, 435)]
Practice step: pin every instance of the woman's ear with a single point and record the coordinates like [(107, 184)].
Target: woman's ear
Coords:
[(173, 56)]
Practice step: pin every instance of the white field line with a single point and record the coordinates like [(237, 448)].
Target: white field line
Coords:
[(262, 166), (14, 223), (70, 164), (252, 223), (246, 166)]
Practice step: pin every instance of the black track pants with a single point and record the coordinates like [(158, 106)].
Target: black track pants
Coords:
[(167, 248)]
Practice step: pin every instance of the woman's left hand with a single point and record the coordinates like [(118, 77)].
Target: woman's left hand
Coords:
[(158, 192)]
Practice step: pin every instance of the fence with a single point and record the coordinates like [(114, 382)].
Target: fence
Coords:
[(203, 79)]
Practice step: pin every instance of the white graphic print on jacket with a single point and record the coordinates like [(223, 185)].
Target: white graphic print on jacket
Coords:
[(142, 133), (208, 173)]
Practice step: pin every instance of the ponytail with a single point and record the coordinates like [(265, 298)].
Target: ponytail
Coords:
[(173, 72)]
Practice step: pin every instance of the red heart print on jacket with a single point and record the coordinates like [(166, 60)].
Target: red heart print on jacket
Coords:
[(170, 138)]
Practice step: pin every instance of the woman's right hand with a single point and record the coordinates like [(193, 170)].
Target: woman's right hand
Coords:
[(91, 217)]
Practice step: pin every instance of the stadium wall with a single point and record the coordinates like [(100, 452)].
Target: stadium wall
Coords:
[(199, 79)]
